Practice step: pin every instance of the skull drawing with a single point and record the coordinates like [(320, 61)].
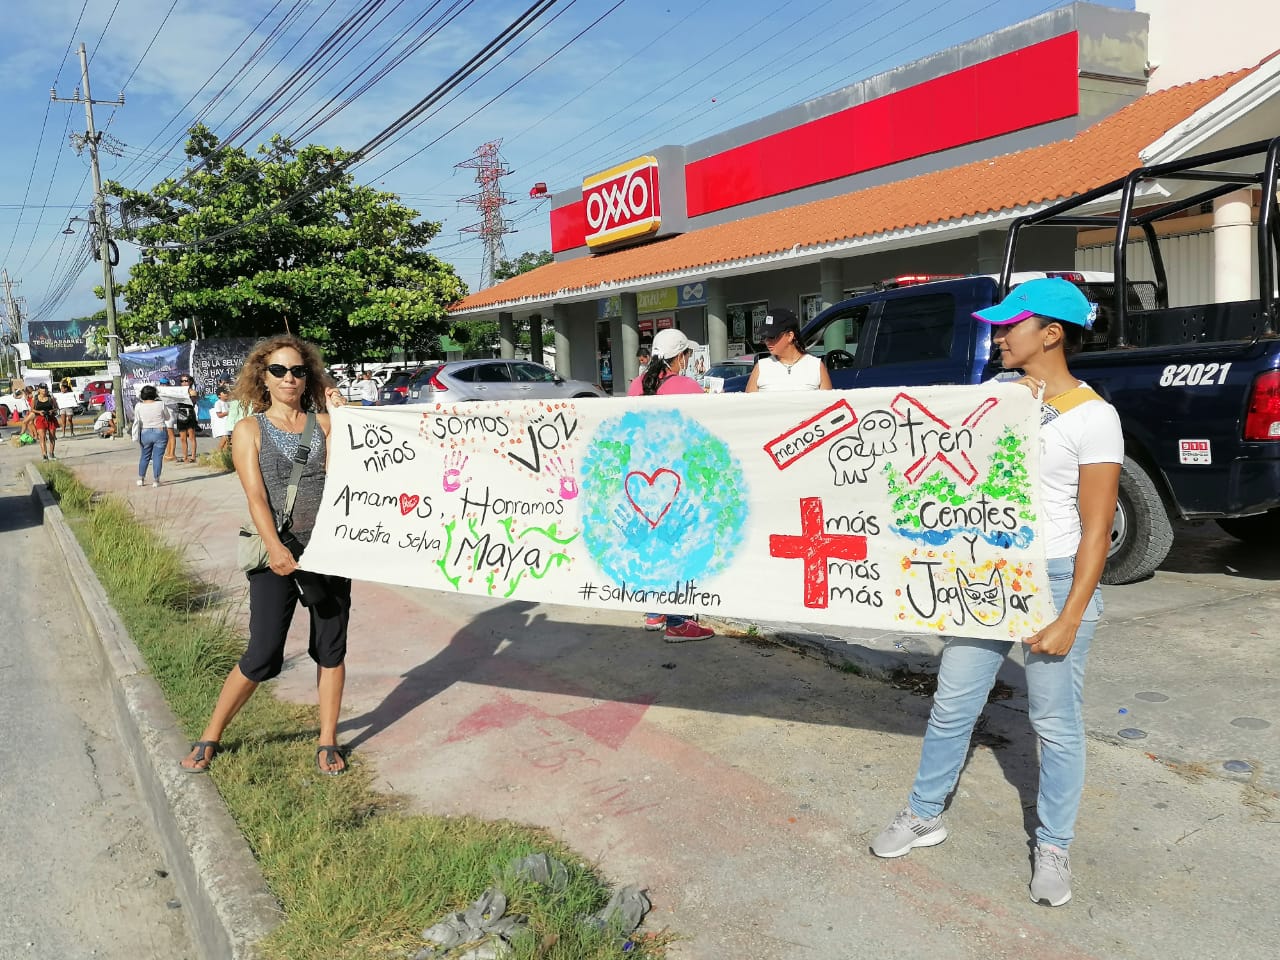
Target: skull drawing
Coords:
[(848, 463), (876, 431)]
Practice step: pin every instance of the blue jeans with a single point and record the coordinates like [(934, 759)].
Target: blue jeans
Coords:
[(673, 619), (153, 444), (1055, 693)]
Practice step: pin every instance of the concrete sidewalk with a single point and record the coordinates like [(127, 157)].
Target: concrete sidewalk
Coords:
[(741, 783)]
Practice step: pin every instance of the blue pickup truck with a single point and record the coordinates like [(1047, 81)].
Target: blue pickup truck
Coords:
[(1197, 387)]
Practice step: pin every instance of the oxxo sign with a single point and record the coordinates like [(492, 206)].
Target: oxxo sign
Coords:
[(622, 202)]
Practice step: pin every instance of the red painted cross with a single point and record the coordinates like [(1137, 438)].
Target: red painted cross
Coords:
[(964, 469), (815, 547)]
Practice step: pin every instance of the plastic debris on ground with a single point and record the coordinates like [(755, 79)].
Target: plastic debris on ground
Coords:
[(484, 931)]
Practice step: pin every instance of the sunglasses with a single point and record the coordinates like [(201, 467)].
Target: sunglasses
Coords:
[(278, 370)]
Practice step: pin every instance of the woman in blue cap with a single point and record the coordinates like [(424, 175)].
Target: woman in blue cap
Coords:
[(1036, 328)]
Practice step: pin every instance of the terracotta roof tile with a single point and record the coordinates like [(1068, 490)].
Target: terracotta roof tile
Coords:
[(1103, 152)]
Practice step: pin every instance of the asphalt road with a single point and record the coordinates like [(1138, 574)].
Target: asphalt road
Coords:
[(82, 873)]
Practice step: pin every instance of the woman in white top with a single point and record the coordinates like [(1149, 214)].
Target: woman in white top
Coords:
[(151, 424), (1035, 328), (787, 368)]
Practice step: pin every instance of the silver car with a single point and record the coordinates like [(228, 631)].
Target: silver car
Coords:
[(461, 380)]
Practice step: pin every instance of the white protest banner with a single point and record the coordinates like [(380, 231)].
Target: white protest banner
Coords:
[(65, 401), (901, 509)]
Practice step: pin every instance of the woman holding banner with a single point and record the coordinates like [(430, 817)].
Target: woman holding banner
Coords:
[(283, 386), (66, 409), (1036, 327)]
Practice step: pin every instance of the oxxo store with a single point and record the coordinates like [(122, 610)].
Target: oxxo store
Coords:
[(917, 171)]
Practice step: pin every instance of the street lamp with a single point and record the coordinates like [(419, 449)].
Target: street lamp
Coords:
[(70, 231)]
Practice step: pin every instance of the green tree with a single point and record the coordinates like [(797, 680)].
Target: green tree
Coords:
[(345, 266), (529, 260)]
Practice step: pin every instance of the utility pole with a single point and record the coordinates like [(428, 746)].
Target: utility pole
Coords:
[(14, 318), (92, 139)]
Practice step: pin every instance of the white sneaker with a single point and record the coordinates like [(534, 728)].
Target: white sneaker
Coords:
[(139, 481), (155, 483), (1051, 879), (907, 832)]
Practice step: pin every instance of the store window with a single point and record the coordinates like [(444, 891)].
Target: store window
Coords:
[(604, 356), (810, 307), (743, 320)]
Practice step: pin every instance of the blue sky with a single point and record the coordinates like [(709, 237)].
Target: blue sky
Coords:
[(651, 72)]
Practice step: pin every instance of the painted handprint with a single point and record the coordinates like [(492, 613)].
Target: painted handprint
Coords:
[(454, 463), (567, 488)]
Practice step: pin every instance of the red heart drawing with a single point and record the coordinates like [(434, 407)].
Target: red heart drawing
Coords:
[(653, 500), (407, 503)]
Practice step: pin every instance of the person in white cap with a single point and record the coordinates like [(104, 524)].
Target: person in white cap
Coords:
[(665, 376), (668, 364), (1035, 329)]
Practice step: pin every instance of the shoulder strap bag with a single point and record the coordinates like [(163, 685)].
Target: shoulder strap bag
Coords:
[(251, 551)]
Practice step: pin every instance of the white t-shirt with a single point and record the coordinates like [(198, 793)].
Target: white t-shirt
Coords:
[(152, 415), (804, 374), (369, 390), (220, 419), (1089, 433)]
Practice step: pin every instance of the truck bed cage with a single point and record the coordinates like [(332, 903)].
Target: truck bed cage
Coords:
[(1209, 322)]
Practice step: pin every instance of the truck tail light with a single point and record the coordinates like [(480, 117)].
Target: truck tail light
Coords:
[(436, 383), (1070, 275), (1263, 419)]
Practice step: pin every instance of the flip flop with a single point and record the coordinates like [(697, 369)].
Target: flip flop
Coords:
[(205, 750), (332, 753)]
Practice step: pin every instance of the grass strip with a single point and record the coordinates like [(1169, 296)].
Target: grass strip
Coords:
[(357, 877)]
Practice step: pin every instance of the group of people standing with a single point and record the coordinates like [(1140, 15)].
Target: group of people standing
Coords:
[(1035, 330), (160, 428), (41, 416)]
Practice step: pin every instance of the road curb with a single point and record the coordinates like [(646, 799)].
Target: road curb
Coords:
[(229, 907)]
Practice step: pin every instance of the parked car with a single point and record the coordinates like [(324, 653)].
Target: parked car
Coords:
[(726, 370), (94, 393), (461, 380), (418, 382), (350, 388), (395, 389)]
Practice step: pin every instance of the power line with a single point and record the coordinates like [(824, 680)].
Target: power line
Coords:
[(106, 26), (286, 20), (316, 120), (35, 161), (507, 89), (129, 79), (486, 53), (737, 56), (335, 49)]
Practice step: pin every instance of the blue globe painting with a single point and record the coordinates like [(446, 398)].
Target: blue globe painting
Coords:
[(663, 500)]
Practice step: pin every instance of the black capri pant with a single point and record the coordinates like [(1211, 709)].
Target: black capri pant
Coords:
[(272, 601)]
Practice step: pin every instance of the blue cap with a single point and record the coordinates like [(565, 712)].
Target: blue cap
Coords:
[(1049, 297)]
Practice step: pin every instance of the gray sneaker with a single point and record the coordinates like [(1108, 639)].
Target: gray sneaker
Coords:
[(907, 832), (1051, 880)]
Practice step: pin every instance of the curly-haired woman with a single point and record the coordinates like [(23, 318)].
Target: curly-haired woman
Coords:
[(282, 381)]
